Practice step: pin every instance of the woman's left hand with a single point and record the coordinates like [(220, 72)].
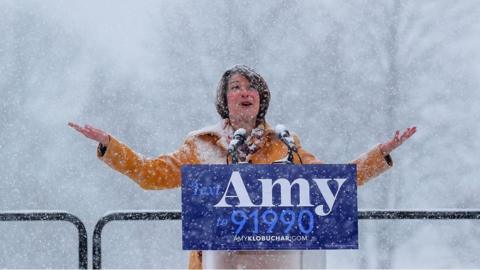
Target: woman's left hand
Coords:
[(397, 140)]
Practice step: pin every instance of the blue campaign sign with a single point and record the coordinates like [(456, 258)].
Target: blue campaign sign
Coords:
[(269, 207)]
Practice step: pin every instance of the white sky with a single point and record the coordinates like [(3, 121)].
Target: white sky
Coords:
[(116, 28)]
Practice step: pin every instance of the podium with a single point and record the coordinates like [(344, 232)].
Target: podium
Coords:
[(268, 216)]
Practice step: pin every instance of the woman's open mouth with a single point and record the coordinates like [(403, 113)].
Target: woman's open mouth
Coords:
[(246, 103)]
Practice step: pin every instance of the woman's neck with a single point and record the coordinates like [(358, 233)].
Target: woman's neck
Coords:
[(247, 124)]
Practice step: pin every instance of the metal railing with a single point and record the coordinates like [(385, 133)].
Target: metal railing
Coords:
[(382, 214), (55, 216), (123, 216), (173, 215)]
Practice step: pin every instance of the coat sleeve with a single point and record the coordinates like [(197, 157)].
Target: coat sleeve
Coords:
[(158, 173), (369, 165)]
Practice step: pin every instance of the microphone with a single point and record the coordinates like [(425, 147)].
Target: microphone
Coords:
[(285, 137), (238, 139)]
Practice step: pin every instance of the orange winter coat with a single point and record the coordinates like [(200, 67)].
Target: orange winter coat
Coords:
[(209, 146)]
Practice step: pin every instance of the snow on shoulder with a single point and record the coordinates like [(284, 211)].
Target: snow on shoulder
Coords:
[(206, 153), (220, 129)]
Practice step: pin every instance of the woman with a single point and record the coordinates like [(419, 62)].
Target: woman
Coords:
[(242, 101)]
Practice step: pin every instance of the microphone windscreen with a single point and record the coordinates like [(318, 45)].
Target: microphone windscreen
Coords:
[(240, 132), (238, 138)]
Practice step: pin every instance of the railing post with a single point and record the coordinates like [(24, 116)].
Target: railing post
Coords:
[(56, 216), (128, 216)]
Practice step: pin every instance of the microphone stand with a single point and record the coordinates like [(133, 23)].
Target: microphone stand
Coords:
[(289, 159), (285, 137), (238, 139), (234, 156)]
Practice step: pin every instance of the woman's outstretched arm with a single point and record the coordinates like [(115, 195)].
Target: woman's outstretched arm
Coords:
[(397, 140), (150, 173), (92, 133)]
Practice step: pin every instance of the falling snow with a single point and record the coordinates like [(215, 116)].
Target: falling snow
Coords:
[(343, 75)]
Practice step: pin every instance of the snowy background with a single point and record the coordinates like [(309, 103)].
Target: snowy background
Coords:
[(343, 75)]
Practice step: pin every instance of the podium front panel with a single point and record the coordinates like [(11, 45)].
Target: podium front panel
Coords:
[(269, 207)]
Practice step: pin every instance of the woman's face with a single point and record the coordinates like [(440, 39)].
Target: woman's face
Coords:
[(243, 100)]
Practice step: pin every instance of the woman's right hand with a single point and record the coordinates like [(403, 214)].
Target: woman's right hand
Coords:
[(92, 133)]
